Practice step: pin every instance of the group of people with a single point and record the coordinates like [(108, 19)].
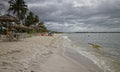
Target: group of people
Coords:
[(47, 34)]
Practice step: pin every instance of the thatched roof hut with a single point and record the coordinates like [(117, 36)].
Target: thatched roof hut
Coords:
[(7, 18)]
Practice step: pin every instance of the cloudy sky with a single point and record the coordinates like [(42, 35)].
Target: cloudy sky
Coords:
[(78, 15)]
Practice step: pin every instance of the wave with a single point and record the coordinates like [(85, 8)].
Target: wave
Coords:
[(103, 62)]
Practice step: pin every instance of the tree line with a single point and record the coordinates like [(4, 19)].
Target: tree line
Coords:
[(20, 9)]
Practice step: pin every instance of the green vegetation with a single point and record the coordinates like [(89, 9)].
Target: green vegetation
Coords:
[(18, 8), (29, 19), (25, 17)]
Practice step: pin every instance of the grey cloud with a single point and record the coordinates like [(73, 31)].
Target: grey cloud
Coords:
[(78, 15)]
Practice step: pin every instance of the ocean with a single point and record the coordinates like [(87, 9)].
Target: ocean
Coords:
[(102, 48)]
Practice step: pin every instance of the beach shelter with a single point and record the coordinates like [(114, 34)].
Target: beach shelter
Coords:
[(7, 18)]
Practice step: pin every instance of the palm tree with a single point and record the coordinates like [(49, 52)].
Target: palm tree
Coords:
[(19, 8), (36, 19), (29, 19), (42, 27)]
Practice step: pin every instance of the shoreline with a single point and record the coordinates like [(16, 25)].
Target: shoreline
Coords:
[(76, 57), (59, 63), (38, 54), (82, 60)]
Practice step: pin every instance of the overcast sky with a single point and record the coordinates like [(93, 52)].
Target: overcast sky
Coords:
[(78, 15)]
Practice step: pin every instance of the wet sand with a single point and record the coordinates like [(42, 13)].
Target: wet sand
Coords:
[(41, 54), (82, 60)]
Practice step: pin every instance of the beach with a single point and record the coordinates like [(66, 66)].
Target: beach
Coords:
[(42, 54)]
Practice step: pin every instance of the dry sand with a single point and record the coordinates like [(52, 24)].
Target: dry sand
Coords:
[(37, 54)]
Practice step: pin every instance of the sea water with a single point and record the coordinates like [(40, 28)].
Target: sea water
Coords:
[(107, 53)]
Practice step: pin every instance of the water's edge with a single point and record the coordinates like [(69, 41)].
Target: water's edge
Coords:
[(81, 59)]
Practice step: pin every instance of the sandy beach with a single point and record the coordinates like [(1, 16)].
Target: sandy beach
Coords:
[(42, 54)]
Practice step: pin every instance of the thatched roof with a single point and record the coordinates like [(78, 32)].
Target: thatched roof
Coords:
[(7, 18)]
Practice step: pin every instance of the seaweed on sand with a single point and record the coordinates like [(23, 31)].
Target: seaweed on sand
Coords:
[(95, 46)]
